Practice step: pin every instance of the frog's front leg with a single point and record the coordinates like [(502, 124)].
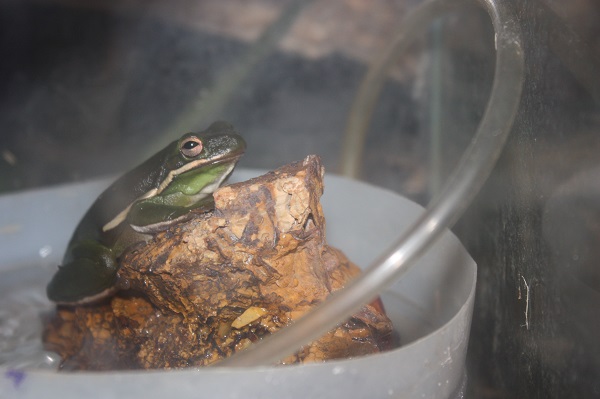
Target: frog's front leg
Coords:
[(88, 274), (150, 216)]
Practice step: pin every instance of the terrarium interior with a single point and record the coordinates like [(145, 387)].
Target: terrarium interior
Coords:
[(91, 89)]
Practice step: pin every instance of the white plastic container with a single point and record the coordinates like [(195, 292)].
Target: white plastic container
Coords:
[(431, 309)]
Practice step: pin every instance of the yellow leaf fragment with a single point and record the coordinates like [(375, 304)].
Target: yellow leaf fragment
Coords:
[(251, 314)]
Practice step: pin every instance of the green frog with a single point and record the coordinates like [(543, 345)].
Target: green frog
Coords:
[(158, 193)]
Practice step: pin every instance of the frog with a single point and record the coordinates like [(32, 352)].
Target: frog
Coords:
[(166, 189)]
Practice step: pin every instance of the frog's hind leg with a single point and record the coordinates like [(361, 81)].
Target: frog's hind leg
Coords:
[(89, 274)]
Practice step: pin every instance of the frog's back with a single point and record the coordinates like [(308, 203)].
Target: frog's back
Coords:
[(117, 197)]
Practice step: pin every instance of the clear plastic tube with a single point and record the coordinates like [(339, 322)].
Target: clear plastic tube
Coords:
[(444, 210)]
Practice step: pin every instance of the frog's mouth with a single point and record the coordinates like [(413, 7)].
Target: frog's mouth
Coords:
[(194, 197)]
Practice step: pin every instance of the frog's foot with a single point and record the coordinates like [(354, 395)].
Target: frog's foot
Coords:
[(84, 279)]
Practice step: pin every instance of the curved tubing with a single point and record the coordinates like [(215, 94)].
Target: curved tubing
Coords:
[(444, 210)]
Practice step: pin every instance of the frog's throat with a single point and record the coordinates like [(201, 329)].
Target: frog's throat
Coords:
[(209, 189)]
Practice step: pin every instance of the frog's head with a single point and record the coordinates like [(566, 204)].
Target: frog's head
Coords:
[(179, 177), (199, 163)]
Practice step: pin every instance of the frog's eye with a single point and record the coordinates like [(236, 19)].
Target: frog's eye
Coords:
[(191, 147)]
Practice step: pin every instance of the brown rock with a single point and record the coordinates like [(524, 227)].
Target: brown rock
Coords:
[(212, 285)]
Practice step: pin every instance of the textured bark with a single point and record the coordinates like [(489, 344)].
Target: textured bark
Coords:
[(211, 286)]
